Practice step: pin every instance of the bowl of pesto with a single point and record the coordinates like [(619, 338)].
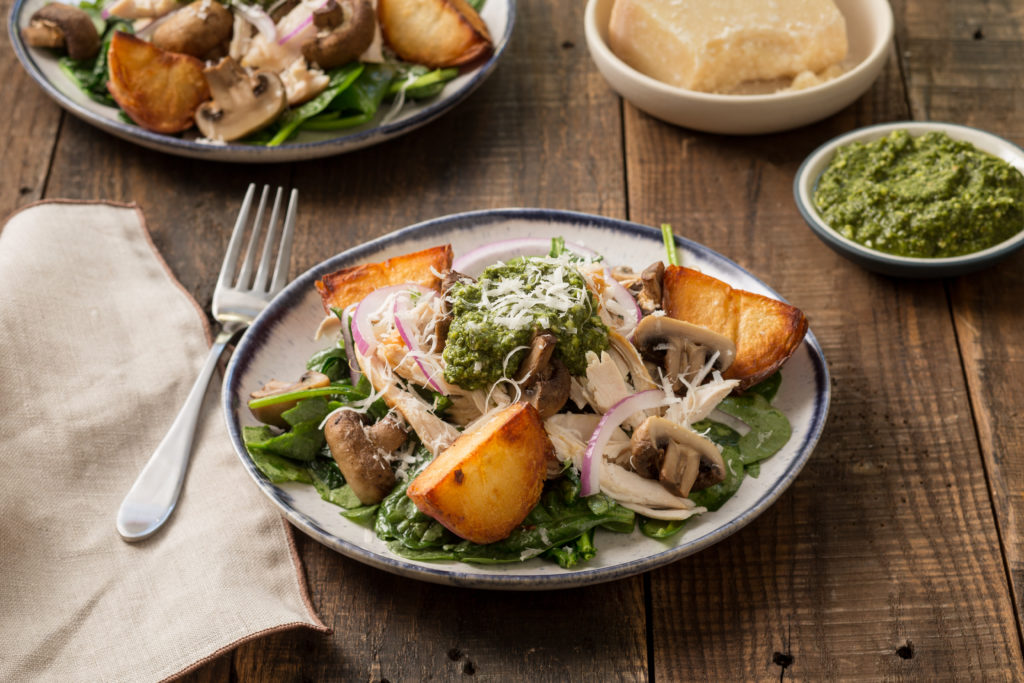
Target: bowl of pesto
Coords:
[(916, 199)]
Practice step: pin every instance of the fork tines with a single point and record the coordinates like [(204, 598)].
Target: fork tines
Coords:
[(245, 278)]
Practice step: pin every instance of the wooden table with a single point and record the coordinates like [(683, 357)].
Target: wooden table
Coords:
[(897, 553)]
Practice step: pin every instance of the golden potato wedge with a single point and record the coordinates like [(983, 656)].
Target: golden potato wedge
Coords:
[(349, 285), (483, 485), (159, 90), (766, 331), (437, 33)]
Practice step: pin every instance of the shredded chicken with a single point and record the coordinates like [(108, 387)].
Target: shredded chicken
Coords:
[(435, 433)]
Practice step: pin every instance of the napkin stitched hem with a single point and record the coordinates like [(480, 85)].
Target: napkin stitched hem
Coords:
[(304, 586), (298, 573)]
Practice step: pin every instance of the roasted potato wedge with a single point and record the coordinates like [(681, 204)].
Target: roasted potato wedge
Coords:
[(159, 90), (766, 331), (349, 285), (437, 33), (483, 485)]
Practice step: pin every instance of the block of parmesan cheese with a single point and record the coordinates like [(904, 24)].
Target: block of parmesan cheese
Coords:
[(716, 46)]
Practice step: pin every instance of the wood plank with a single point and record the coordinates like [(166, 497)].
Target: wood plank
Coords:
[(882, 560), (34, 120), (985, 64)]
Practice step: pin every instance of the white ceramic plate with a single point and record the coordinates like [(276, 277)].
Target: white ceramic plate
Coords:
[(42, 66), (281, 340), (869, 28)]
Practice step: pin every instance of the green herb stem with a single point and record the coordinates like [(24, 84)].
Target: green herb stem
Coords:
[(670, 244)]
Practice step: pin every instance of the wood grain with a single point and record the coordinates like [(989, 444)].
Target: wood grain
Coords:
[(896, 554), (32, 122), (884, 552), (985, 65)]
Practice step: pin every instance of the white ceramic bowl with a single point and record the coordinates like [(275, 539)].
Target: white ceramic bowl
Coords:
[(888, 264), (869, 25)]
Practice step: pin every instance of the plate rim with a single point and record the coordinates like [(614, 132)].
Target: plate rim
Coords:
[(448, 573), (236, 153)]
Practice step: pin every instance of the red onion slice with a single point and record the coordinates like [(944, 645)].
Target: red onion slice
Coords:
[(590, 474), (410, 342), (362, 329), (626, 300), (258, 18), (473, 262), (304, 29)]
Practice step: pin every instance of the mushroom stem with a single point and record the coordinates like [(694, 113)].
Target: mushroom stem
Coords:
[(361, 461), (681, 459)]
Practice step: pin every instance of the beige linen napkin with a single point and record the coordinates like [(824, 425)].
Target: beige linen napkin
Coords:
[(98, 348)]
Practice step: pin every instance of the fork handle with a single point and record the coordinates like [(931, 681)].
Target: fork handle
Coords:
[(153, 495)]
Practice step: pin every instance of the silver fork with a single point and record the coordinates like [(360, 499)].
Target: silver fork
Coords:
[(236, 303)]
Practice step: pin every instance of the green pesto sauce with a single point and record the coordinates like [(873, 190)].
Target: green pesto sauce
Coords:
[(479, 342), (929, 196)]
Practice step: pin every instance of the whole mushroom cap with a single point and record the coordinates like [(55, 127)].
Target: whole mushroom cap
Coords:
[(681, 345), (242, 102), (347, 28), (57, 25)]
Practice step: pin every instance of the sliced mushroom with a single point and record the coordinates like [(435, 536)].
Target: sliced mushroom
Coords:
[(242, 102), (346, 28), (360, 460), (545, 380), (681, 459), (196, 29), (681, 348), (649, 298), (388, 434), (541, 349), (444, 322), (271, 414), (62, 26)]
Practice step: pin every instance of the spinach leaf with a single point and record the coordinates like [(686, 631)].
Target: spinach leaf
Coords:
[(340, 79), (92, 75), (275, 467), (769, 387), (332, 362), (769, 428), (302, 442), (366, 92), (715, 496)]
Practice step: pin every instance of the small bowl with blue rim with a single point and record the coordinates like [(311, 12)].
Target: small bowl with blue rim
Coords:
[(806, 183)]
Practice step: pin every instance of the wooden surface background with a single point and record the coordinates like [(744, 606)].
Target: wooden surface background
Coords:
[(896, 555)]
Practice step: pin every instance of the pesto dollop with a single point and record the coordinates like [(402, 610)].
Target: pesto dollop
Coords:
[(495, 318), (929, 196)]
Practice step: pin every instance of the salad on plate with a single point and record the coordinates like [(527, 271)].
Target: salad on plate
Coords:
[(257, 73), (524, 398)]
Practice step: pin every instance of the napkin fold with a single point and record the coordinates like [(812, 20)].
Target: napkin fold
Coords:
[(99, 345)]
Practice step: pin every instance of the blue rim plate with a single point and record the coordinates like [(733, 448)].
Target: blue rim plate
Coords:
[(281, 340), (42, 66), (806, 181)]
